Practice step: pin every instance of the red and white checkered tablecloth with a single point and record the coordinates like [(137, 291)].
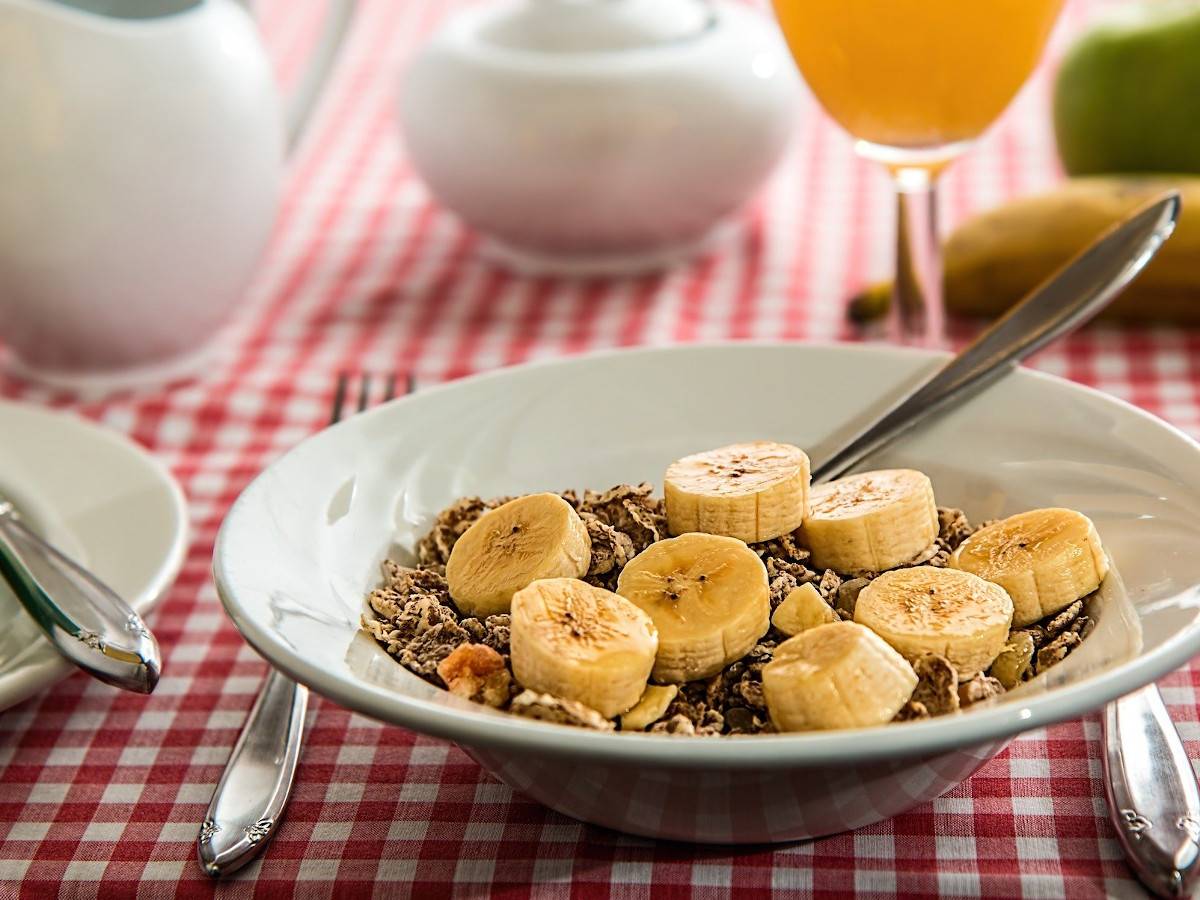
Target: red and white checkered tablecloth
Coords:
[(101, 793)]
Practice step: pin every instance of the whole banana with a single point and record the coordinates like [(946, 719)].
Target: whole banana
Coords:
[(996, 258)]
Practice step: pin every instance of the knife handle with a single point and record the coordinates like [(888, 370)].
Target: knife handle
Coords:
[(1153, 800), (84, 619)]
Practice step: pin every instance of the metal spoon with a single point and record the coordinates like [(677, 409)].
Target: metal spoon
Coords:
[(1153, 801), (1062, 303), (84, 619)]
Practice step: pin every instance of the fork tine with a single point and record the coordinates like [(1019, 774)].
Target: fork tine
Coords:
[(341, 393), (364, 392), (339, 398), (410, 383)]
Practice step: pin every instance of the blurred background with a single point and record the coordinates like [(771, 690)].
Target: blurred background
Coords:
[(821, 230)]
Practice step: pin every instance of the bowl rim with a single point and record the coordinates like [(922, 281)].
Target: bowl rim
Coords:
[(463, 724)]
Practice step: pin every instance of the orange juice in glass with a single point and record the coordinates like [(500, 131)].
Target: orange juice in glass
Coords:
[(914, 82)]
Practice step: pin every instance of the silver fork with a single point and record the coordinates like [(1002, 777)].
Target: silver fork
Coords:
[(253, 792)]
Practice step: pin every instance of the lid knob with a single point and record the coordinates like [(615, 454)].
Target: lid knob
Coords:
[(582, 26)]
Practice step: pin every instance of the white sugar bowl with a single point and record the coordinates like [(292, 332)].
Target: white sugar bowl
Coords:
[(586, 136)]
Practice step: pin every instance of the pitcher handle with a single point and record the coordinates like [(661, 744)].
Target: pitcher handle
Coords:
[(303, 99)]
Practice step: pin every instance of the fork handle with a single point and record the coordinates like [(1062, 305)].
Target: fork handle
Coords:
[(1153, 800), (250, 798)]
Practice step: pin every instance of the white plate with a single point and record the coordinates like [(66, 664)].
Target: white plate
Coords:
[(100, 498), (301, 547)]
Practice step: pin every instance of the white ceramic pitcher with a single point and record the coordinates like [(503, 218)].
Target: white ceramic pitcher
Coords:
[(142, 146)]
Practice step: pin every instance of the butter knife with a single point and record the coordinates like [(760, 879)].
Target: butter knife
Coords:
[(86, 621)]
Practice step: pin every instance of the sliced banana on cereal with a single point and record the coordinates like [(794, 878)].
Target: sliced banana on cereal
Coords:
[(754, 491), (838, 675), (513, 545), (872, 521), (650, 708), (942, 611), (1045, 558), (581, 643), (802, 609), (707, 594)]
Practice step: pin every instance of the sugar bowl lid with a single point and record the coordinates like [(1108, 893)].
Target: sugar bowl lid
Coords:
[(596, 26)]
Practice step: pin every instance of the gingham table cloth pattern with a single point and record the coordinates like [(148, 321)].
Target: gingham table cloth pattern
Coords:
[(101, 793)]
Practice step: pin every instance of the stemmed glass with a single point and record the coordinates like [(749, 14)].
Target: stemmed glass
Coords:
[(915, 82)]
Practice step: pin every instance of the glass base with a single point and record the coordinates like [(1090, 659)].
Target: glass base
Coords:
[(930, 158)]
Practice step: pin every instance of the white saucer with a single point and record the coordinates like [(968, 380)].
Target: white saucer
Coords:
[(100, 498)]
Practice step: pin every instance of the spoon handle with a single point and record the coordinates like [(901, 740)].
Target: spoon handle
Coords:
[(83, 618), (1151, 789), (1153, 801), (1062, 303)]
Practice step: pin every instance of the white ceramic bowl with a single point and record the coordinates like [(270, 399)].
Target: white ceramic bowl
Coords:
[(301, 547)]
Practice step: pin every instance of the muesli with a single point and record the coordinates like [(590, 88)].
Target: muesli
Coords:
[(743, 601)]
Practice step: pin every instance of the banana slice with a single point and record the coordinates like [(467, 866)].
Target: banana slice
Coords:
[(1045, 558), (507, 548), (929, 610), (754, 491), (650, 708), (802, 609), (839, 675), (709, 598), (870, 522), (581, 643)]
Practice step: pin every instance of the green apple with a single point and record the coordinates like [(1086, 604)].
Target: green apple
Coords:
[(1127, 97)]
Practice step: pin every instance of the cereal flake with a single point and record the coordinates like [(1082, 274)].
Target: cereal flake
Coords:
[(478, 673), (937, 684), (548, 708)]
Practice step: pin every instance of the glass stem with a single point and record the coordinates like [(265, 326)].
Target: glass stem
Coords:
[(918, 316)]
